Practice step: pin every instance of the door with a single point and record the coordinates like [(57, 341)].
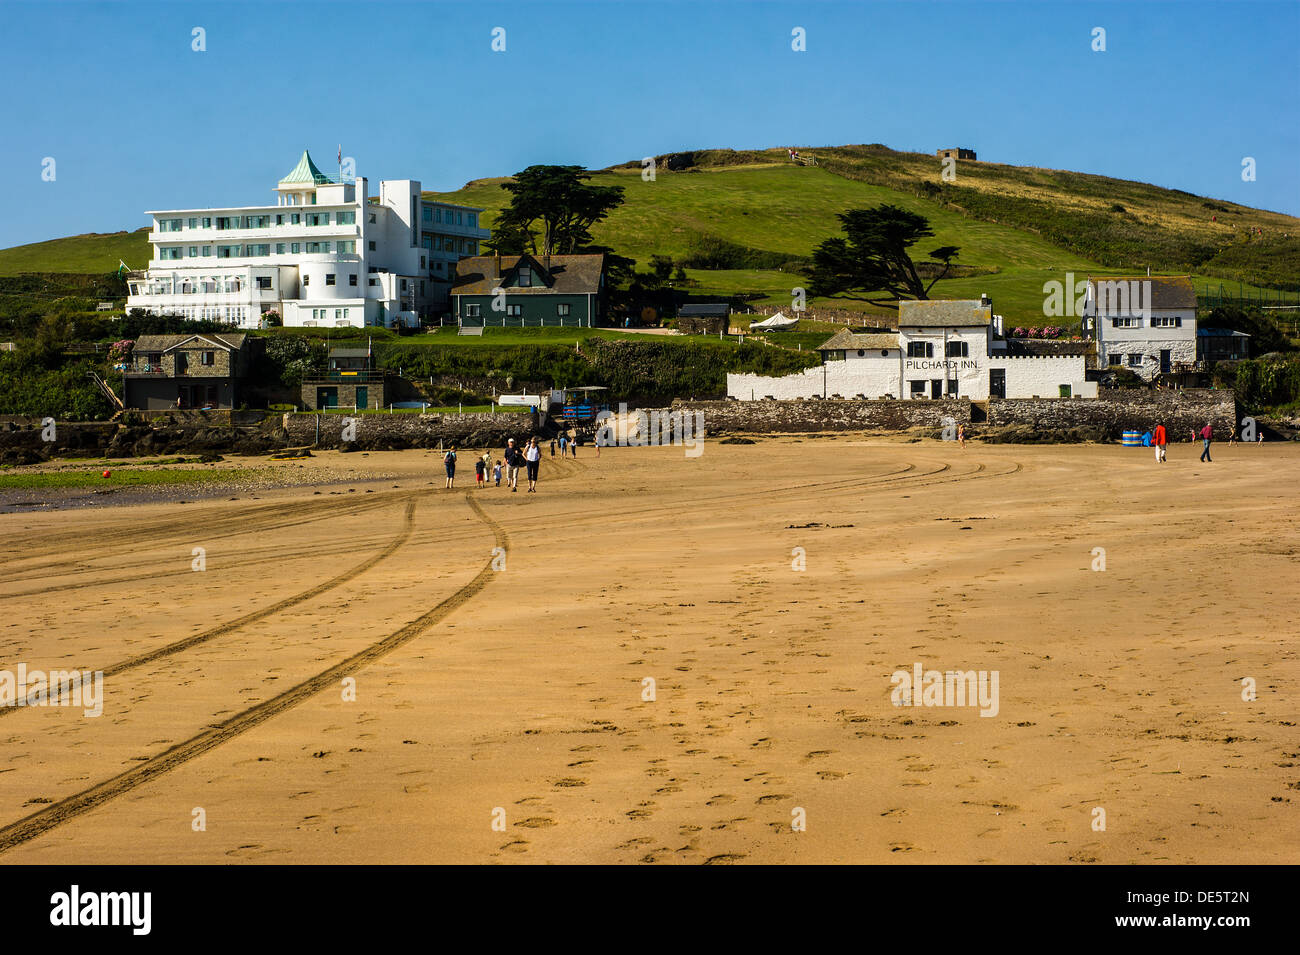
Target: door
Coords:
[(363, 396), (936, 388), (997, 382), (327, 397), (1165, 365), (182, 363)]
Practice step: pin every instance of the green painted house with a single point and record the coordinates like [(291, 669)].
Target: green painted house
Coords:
[(529, 291)]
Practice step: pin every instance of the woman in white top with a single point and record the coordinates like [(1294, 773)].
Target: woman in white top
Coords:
[(533, 458)]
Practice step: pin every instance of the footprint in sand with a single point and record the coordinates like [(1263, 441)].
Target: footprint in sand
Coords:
[(535, 822), (725, 859), (771, 797), (722, 799)]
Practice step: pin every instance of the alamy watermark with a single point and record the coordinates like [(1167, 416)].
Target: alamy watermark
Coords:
[(624, 429), (56, 688), (922, 687)]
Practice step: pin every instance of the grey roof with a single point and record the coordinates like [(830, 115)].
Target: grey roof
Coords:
[(1167, 291), (563, 274), (159, 343), (707, 310), (349, 353), (1221, 333), (940, 313), (845, 340)]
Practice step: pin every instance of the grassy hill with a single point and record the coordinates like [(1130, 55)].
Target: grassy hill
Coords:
[(761, 217)]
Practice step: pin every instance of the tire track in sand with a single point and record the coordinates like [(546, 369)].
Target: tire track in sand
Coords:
[(186, 643), (56, 814)]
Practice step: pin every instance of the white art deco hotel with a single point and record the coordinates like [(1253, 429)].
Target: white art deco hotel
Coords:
[(326, 254)]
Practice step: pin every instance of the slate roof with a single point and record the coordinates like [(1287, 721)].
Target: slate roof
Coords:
[(944, 313), (845, 340), (349, 353), (566, 274), (721, 309), (161, 343), (1167, 291)]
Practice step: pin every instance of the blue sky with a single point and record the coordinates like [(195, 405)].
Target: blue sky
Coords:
[(136, 120)]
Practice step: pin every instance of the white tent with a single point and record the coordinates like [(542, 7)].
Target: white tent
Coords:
[(776, 323)]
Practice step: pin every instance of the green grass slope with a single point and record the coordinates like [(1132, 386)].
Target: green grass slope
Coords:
[(94, 252)]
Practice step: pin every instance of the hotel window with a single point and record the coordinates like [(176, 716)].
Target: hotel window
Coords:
[(294, 218), (427, 242), (262, 249), (279, 218), (952, 387), (338, 313), (264, 283), (346, 218), (514, 311), (193, 223), (473, 248), (259, 222), (1135, 359), (295, 248), (403, 285), (920, 350), (562, 310), (133, 288), (473, 219), (473, 311), (169, 225), (421, 286), (313, 247), (207, 222), (459, 219), (1115, 360), (207, 250), (352, 278), (437, 266), (372, 282), (279, 248), (422, 260), (372, 246), (173, 252), (348, 246), (329, 279), (227, 222), (427, 214), (1126, 323), (917, 388), (438, 215), (208, 358), (318, 218), (1166, 323), (372, 218), (306, 280), (194, 252), (957, 350)]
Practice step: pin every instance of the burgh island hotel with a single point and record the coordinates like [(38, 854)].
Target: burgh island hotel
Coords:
[(325, 254)]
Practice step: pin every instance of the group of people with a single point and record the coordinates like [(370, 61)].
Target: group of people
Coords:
[(568, 446), (1158, 438), (529, 459)]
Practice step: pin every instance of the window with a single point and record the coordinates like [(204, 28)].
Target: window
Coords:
[(294, 218), (134, 287), (264, 283), (438, 215), (372, 246), (1115, 360), (957, 349), (459, 218), (952, 387), (169, 225), (473, 311), (427, 214), (917, 387), (1064, 390), (306, 280), (227, 222), (1166, 323), (421, 286), (427, 242), (422, 261), (473, 248), (279, 248), (295, 248), (346, 218), (192, 224), (169, 252), (262, 249), (352, 278), (207, 222), (259, 222), (1135, 359), (313, 247), (372, 282), (318, 218), (473, 219), (279, 219), (372, 217), (437, 266), (563, 310), (329, 278), (525, 279), (514, 311), (1130, 322), (403, 285), (194, 252), (208, 358), (920, 350), (348, 246)]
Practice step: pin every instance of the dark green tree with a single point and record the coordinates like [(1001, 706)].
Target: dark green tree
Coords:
[(872, 262), (552, 210)]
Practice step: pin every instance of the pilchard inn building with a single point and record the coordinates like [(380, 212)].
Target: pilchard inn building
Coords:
[(325, 254)]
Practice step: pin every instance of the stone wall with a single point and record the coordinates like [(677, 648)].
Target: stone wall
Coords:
[(1109, 414), (395, 431), (828, 415), (1123, 409)]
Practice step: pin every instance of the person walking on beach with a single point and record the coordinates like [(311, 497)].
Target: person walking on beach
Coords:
[(552, 447), (562, 446), (533, 458), (512, 466), (496, 473), (1160, 439), (961, 435), (1206, 434), (478, 472), (449, 459)]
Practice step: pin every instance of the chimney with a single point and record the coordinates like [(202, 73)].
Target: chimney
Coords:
[(985, 301), (497, 274)]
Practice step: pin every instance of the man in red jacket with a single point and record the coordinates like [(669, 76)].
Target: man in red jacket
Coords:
[(1160, 440), (1205, 438)]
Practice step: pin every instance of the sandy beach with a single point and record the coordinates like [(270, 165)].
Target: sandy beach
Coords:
[(504, 714)]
